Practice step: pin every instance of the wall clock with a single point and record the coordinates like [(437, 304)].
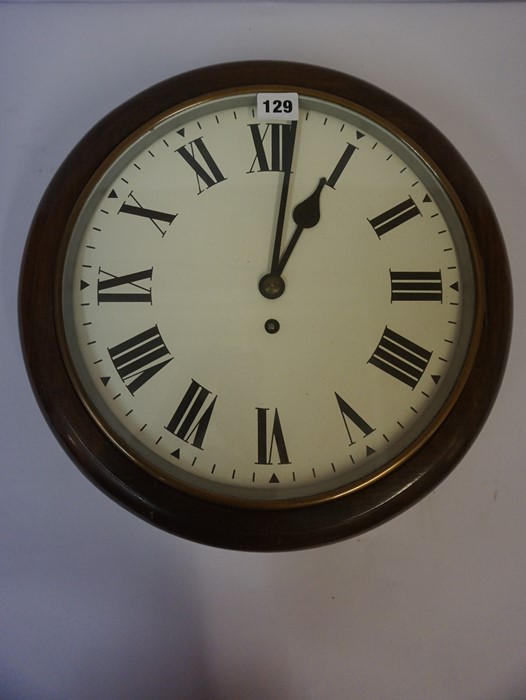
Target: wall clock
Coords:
[(265, 305)]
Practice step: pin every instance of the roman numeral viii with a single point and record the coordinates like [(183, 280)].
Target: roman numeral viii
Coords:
[(192, 417), (400, 357), (273, 147), (139, 358), (270, 438), (199, 158)]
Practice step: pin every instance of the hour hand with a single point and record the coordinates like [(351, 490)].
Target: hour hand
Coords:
[(306, 214)]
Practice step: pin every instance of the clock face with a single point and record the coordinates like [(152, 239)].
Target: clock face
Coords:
[(264, 310), (265, 305)]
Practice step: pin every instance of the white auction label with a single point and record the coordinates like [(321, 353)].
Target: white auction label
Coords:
[(278, 106)]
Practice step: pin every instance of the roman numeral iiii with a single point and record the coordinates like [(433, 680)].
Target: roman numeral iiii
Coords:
[(400, 358)]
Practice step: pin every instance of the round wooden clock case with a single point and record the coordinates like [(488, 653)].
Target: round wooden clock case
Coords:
[(265, 305)]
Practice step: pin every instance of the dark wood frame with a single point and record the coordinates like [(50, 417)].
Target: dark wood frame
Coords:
[(213, 523)]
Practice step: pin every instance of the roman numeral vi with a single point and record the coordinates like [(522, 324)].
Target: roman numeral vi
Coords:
[(270, 439)]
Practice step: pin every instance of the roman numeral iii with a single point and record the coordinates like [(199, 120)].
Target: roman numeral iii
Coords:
[(416, 286)]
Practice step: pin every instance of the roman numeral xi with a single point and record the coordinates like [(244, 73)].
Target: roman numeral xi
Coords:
[(199, 158)]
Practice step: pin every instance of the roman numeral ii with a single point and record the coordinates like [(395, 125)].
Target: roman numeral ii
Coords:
[(394, 217)]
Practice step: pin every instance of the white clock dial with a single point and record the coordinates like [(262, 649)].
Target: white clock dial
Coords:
[(182, 353)]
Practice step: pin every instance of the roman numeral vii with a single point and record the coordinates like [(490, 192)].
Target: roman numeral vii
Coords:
[(192, 416)]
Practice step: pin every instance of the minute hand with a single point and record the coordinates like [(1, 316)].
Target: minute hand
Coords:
[(306, 214)]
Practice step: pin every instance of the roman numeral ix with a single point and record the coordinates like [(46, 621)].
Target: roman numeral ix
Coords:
[(125, 287)]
